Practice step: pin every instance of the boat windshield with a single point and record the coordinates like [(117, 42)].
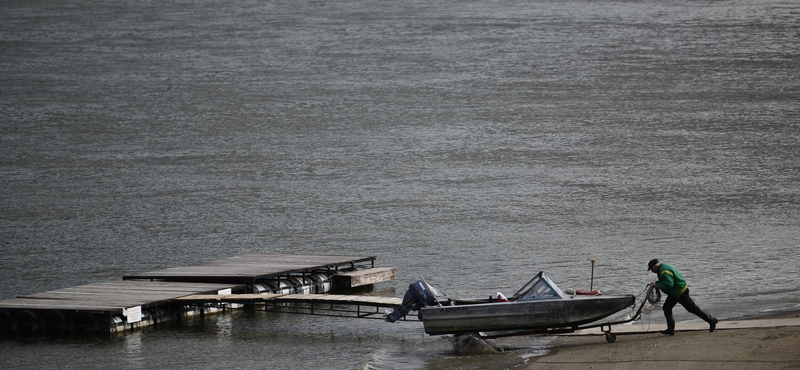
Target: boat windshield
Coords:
[(540, 287)]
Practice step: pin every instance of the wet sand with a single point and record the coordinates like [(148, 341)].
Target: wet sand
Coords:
[(743, 348)]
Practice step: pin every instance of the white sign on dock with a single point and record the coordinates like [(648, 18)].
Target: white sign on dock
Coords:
[(225, 292), (133, 314)]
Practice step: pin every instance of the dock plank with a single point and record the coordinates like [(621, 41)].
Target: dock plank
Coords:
[(331, 298), (369, 276), (134, 299), (233, 298), (44, 304), (296, 298), (135, 289)]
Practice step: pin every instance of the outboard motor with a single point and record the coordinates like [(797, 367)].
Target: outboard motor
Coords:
[(419, 295)]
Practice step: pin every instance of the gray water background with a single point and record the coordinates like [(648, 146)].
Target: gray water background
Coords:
[(472, 142)]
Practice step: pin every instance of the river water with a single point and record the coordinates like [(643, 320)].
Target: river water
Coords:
[(472, 142)]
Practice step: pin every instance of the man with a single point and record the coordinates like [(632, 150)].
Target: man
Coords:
[(671, 282)]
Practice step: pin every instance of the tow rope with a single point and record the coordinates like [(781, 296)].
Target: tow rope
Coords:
[(653, 294)]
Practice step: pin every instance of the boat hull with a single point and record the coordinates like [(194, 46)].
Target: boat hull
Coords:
[(521, 315)]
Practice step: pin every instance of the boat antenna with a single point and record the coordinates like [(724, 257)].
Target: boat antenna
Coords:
[(591, 283)]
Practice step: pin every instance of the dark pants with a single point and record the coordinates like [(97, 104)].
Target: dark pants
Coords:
[(688, 304)]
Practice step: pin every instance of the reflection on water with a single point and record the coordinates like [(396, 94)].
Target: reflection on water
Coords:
[(132, 350), (224, 326)]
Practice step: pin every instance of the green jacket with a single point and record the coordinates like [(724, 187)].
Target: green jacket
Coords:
[(670, 281)]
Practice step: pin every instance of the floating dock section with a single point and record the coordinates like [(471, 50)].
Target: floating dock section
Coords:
[(247, 268), (151, 297), (112, 306)]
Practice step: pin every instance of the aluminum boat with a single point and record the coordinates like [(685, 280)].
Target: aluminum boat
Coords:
[(538, 305)]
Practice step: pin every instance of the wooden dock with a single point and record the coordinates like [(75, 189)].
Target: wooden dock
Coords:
[(151, 297), (249, 267), (113, 297)]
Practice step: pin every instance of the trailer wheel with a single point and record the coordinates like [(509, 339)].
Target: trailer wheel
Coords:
[(611, 337)]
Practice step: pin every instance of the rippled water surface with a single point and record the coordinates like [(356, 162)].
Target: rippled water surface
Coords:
[(472, 142)]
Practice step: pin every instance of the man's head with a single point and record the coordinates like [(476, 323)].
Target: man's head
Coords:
[(653, 265)]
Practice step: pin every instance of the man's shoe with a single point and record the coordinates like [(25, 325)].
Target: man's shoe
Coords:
[(667, 332), (713, 325)]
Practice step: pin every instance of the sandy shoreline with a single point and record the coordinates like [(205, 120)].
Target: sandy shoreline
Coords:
[(746, 348)]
